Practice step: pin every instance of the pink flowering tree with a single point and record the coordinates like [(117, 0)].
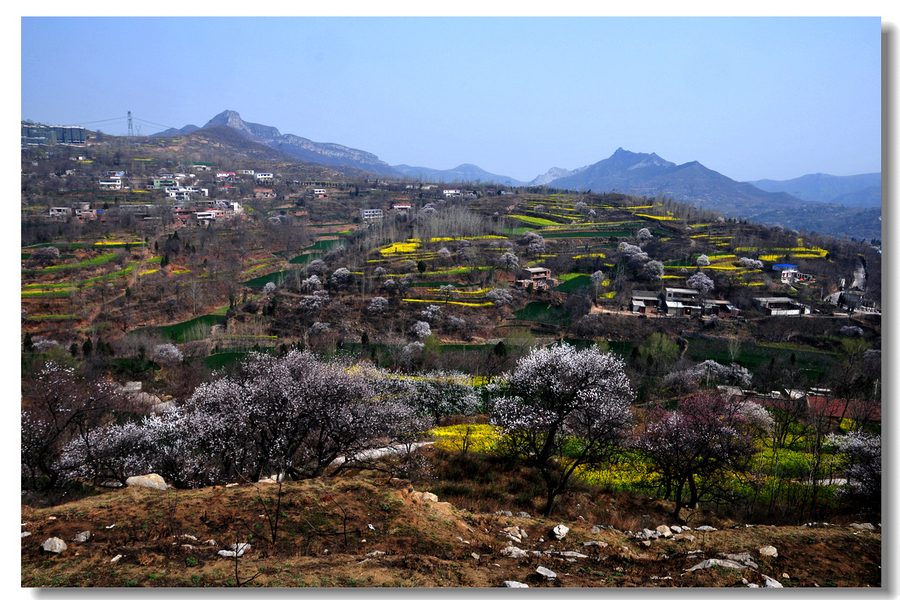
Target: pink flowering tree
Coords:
[(564, 409), (693, 448)]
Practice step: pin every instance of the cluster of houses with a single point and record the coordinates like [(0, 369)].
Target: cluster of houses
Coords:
[(686, 302), (816, 401), (679, 302), (198, 212)]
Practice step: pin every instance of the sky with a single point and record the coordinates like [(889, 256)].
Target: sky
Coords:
[(751, 98)]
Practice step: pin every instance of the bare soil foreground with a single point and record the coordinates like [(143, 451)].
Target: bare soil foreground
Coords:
[(366, 530)]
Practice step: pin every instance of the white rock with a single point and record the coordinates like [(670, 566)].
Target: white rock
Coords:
[(771, 583), (664, 531), (717, 562), (82, 537), (863, 526), (151, 480), (26, 534), (768, 551), (706, 528), (675, 529), (545, 572), (54, 545), (743, 558), (513, 584), (513, 552), (234, 550), (560, 531)]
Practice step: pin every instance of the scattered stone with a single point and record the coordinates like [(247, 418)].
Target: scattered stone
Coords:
[(82, 537), (513, 584), (863, 526), (768, 551), (503, 513), (580, 518), (751, 585), (685, 528), (186, 536), (476, 556), (706, 528), (151, 480), (115, 558), (513, 552), (717, 562), (515, 533), (675, 529), (596, 529), (689, 538), (600, 544), (545, 572), (229, 485), (26, 534), (51, 518), (375, 553), (187, 546), (664, 531), (560, 531), (210, 542), (571, 554), (772, 583), (523, 515), (54, 545), (785, 576), (425, 496), (743, 558), (647, 543), (234, 550)]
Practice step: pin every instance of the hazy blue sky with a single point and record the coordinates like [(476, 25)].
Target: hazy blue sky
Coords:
[(751, 98)]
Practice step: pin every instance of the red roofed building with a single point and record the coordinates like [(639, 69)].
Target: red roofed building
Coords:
[(861, 411)]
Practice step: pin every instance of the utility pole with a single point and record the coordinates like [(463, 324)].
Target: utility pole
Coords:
[(130, 129)]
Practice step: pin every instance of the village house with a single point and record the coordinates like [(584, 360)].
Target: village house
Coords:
[(538, 277), (402, 207), (681, 302), (369, 214), (60, 212), (720, 308), (780, 306), (264, 193), (644, 302)]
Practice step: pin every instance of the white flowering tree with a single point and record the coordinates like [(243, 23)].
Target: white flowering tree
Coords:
[(500, 297), (597, 278), (508, 261), (643, 235), (377, 305), (703, 260), (701, 282), (562, 402), (421, 329), (167, 354), (295, 414), (751, 263), (654, 269), (863, 471), (342, 278)]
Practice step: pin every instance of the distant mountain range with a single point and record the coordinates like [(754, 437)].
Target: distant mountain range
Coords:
[(824, 203), (462, 173), (863, 191)]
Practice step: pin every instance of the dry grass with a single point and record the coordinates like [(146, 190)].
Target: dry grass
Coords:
[(324, 538)]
